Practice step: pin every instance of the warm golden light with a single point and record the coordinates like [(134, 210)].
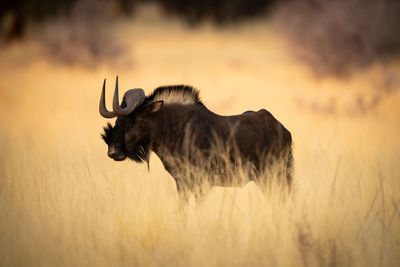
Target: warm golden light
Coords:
[(63, 202)]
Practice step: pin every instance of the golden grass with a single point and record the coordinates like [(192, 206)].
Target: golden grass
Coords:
[(63, 202)]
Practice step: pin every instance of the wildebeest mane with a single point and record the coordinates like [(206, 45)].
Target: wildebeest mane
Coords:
[(182, 94)]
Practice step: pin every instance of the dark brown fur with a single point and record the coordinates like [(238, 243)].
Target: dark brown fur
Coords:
[(189, 134)]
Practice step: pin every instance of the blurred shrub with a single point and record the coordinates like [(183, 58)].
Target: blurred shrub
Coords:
[(79, 31), (83, 36), (219, 11), (338, 36), (16, 15)]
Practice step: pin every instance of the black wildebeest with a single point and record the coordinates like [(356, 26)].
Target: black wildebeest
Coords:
[(190, 139)]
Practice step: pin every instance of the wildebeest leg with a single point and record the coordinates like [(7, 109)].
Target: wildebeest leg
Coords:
[(180, 180), (186, 189), (273, 183), (289, 169), (261, 182), (201, 192), (183, 191)]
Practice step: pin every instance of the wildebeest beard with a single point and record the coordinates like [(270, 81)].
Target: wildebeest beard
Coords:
[(139, 153)]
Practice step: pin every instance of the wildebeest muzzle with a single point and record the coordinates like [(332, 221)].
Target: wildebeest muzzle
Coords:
[(115, 153)]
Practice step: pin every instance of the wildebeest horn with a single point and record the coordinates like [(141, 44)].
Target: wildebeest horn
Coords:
[(102, 106), (133, 98)]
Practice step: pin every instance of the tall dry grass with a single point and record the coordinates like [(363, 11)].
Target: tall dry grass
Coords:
[(64, 203)]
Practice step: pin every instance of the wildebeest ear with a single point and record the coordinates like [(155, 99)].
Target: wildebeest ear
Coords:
[(153, 107)]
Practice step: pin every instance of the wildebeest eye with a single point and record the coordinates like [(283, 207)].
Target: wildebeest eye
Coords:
[(106, 136), (131, 138)]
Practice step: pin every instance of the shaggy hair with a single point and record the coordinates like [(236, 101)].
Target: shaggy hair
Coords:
[(258, 140), (140, 154), (183, 94), (106, 136)]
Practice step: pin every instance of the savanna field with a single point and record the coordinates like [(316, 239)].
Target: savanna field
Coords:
[(63, 202)]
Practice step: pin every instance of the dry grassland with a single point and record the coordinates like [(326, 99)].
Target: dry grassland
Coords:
[(63, 202)]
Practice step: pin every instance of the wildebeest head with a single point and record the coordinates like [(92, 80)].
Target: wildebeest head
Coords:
[(130, 137)]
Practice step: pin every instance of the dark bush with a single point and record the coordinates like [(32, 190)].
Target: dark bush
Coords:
[(219, 11), (338, 36), (85, 36), (16, 15)]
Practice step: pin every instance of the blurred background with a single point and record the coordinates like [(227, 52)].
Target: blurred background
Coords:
[(326, 40), (328, 70), (332, 38)]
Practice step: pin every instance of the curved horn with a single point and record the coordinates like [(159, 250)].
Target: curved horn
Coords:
[(102, 106), (133, 99)]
